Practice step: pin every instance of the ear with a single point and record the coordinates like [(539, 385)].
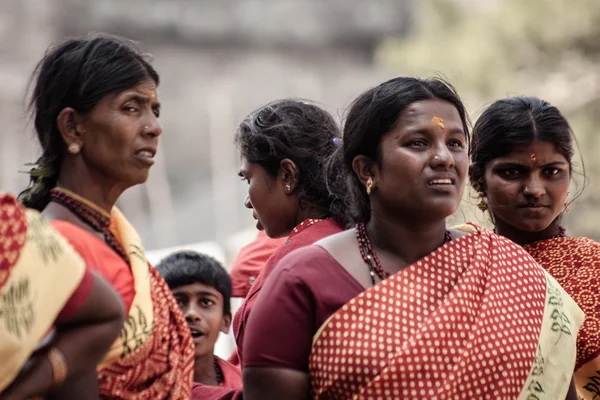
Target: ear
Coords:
[(70, 126), (477, 179), (365, 168), (226, 323), (289, 174)]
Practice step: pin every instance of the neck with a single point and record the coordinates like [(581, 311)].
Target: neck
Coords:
[(407, 241), (94, 187), (204, 370), (305, 213), (522, 237)]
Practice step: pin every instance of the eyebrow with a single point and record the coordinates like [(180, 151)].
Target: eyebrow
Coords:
[(527, 163), (200, 293), (141, 99)]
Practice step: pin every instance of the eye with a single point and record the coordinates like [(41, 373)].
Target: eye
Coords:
[(156, 112), (206, 302), (511, 172), (130, 108), (552, 171), (456, 143), (418, 143), (180, 302)]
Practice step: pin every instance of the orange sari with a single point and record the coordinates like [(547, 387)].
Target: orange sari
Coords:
[(575, 264), (154, 356), (477, 318)]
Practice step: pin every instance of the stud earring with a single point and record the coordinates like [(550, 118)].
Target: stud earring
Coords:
[(74, 148), (287, 188)]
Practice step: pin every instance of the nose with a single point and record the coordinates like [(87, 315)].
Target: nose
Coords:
[(441, 157), (247, 203), (152, 127), (192, 313), (534, 187)]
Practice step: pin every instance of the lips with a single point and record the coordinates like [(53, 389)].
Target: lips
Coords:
[(146, 155), (197, 334)]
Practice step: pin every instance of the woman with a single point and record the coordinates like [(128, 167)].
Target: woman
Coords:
[(284, 147), (401, 307), (96, 116), (522, 154), (57, 319)]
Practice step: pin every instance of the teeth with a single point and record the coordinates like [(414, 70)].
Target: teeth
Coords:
[(441, 182), (145, 153)]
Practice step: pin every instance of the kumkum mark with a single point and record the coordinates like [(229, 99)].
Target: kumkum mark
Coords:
[(438, 121)]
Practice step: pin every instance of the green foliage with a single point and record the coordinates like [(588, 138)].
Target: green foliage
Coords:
[(498, 48)]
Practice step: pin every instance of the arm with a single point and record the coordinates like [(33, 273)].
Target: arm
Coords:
[(83, 338), (275, 383), (572, 393), (278, 337)]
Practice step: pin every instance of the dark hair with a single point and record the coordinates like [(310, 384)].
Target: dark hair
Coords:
[(189, 267), (375, 113), (76, 73), (305, 134), (513, 122)]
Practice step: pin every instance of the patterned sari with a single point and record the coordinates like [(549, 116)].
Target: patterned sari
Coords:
[(154, 356), (39, 274), (477, 318), (575, 264)]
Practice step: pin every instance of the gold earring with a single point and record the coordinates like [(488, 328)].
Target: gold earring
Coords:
[(483, 204), (287, 188), (370, 186), (74, 148)]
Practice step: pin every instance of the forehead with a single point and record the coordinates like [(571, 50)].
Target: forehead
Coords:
[(421, 112), (196, 289), (544, 152), (146, 88)]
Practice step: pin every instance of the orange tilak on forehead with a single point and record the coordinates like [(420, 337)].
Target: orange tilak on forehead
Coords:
[(438, 121), (533, 158)]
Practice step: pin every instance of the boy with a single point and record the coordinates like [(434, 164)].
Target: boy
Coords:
[(202, 289)]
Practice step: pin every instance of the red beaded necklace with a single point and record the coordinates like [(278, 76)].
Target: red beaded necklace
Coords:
[(369, 256), (91, 214)]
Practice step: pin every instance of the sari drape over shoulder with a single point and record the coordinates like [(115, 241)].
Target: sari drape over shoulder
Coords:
[(41, 279), (477, 318), (575, 264), (154, 356)]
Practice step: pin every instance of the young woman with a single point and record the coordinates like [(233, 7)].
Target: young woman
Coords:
[(522, 154), (96, 115), (57, 318), (284, 146), (401, 307)]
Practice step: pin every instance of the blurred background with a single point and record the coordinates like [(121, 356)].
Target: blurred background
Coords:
[(221, 59)]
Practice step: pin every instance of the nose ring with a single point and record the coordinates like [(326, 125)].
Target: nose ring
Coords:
[(146, 127), (436, 158)]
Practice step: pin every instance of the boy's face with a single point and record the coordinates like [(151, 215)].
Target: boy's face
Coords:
[(202, 307)]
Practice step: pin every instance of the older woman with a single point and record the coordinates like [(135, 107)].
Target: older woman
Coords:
[(96, 113), (400, 306)]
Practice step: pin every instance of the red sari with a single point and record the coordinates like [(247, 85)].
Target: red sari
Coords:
[(307, 233), (230, 388), (575, 264)]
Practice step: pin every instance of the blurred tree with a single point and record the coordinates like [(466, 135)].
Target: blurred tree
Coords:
[(497, 48)]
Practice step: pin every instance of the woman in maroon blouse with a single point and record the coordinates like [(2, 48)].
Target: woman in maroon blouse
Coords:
[(284, 147)]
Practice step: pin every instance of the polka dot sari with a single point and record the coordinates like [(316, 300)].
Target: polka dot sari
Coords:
[(477, 318), (575, 264)]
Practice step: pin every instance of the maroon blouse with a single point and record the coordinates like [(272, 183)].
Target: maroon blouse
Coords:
[(303, 235), (302, 292)]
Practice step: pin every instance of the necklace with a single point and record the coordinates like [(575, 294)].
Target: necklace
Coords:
[(369, 256), (302, 226), (91, 214)]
